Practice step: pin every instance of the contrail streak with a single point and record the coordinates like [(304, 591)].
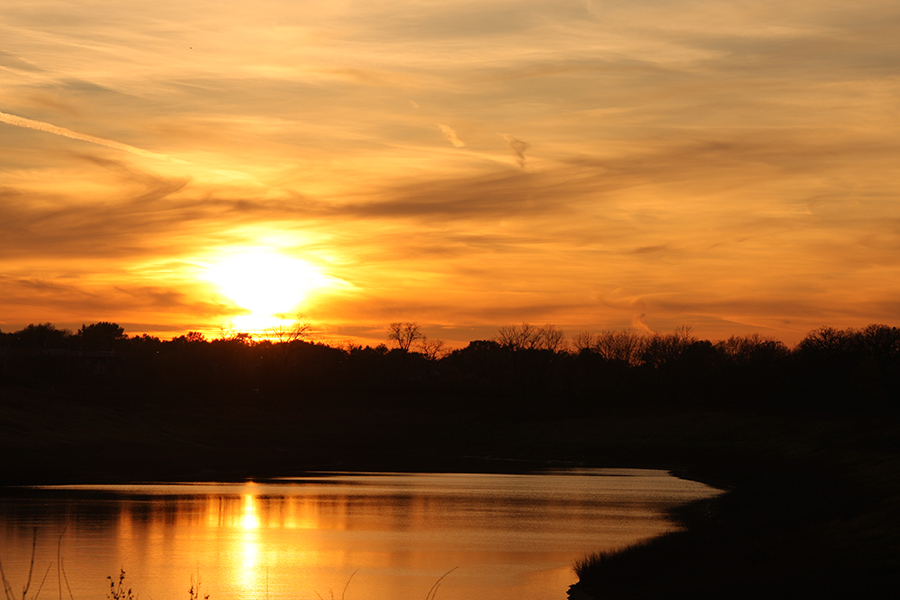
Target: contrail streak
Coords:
[(49, 128)]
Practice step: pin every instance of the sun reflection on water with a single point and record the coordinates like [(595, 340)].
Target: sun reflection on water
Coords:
[(249, 516), (247, 576)]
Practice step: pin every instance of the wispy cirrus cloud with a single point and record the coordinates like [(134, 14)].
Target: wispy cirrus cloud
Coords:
[(18, 121), (518, 148), (451, 136)]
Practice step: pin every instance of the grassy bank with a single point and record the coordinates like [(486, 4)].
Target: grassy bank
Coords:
[(812, 510)]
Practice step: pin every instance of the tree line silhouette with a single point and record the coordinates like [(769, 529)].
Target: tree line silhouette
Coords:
[(524, 369)]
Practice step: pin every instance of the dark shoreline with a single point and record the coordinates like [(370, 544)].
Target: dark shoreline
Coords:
[(797, 521)]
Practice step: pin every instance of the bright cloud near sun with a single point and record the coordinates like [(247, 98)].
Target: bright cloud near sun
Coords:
[(265, 283)]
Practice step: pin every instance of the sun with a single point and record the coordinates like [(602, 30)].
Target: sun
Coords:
[(265, 283)]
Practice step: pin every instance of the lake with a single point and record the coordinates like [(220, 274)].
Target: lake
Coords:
[(374, 536)]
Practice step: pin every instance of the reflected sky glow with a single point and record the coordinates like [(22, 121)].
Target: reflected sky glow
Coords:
[(512, 537)]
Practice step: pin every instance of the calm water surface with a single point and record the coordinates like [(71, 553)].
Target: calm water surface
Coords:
[(380, 536)]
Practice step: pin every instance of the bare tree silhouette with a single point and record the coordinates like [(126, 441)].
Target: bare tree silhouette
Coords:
[(518, 337), (433, 349), (299, 329), (404, 334), (530, 337), (625, 346)]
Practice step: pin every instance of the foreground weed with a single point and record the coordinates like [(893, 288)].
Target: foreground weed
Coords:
[(346, 585), (117, 589), (195, 590)]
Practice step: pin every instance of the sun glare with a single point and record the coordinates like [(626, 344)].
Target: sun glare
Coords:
[(265, 283)]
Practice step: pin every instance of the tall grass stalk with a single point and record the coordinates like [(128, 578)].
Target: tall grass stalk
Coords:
[(430, 596), (434, 588), (119, 591), (7, 586), (60, 569), (589, 562)]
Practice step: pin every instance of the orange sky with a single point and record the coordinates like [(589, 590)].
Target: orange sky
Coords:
[(462, 164)]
